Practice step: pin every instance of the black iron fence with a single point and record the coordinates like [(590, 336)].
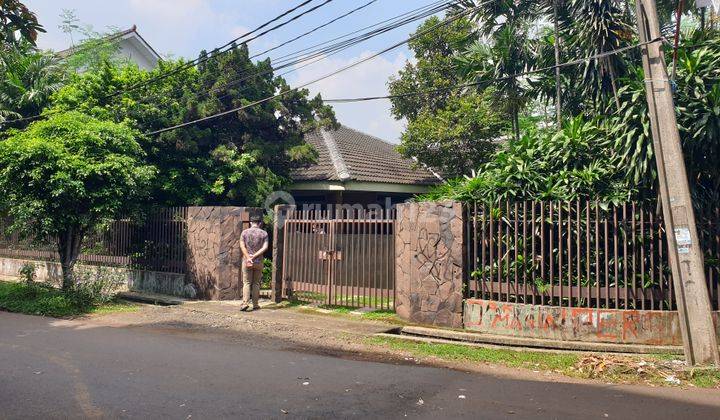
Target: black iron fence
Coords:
[(578, 254), (155, 242)]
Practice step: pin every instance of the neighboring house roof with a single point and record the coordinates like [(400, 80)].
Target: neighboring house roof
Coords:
[(130, 35), (350, 155)]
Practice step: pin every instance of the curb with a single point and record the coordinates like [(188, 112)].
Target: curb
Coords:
[(508, 341), (153, 299)]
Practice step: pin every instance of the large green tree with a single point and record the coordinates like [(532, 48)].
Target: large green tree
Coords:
[(448, 129), (235, 159), (65, 176)]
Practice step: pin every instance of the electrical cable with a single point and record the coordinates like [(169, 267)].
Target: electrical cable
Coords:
[(357, 9), (324, 53), (497, 79), (326, 76), (220, 51), (565, 64), (320, 55), (199, 60)]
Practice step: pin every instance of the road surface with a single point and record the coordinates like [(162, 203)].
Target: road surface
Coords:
[(63, 369)]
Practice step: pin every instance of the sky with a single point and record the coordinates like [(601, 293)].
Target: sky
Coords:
[(181, 28)]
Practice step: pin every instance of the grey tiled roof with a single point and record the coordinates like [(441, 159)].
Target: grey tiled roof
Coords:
[(349, 155)]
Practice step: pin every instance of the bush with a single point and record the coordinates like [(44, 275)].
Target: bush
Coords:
[(92, 290), (36, 299), (27, 271), (95, 288)]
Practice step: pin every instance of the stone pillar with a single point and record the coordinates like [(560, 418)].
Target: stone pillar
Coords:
[(281, 213), (213, 251), (429, 263)]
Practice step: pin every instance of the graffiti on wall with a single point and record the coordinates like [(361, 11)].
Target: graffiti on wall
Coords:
[(578, 324)]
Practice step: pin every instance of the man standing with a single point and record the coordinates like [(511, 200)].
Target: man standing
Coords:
[(253, 243)]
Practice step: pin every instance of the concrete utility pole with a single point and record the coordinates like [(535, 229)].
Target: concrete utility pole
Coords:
[(686, 256)]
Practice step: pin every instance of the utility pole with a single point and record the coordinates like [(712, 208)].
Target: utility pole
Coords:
[(684, 251)]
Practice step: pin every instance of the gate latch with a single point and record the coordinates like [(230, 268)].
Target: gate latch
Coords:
[(330, 254)]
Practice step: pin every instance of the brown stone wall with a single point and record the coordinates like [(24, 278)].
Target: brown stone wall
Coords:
[(429, 263), (214, 254)]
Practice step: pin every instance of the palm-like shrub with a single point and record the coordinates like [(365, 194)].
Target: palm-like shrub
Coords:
[(28, 79)]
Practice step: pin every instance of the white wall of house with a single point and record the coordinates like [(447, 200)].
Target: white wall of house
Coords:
[(134, 49)]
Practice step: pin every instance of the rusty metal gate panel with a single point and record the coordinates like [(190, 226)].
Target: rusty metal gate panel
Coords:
[(342, 261)]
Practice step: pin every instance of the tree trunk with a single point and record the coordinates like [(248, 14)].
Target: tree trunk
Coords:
[(69, 243), (558, 90)]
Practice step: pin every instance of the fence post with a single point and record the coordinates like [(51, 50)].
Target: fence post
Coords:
[(278, 252), (429, 263), (213, 252)]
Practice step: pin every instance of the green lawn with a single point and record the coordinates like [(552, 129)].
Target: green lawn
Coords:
[(455, 352), (43, 299)]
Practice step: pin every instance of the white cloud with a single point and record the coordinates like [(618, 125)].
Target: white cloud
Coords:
[(367, 79)]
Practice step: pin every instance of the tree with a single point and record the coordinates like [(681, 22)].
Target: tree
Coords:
[(235, 159), (93, 48), (610, 157), (435, 67), (28, 79), (697, 100), (67, 175), (449, 130), (16, 18), (497, 63), (456, 139)]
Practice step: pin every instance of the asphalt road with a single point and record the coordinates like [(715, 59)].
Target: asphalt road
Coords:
[(60, 369)]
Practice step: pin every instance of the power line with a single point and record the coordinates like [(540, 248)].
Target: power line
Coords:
[(199, 59), (445, 22), (497, 79), (323, 54), (357, 9), (220, 50), (565, 64), (320, 54), (437, 5)]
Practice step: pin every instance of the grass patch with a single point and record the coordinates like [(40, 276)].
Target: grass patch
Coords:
[(116, 306), (46, 300), (343, 310), (704, 378), (658, 370), (382, 315), (341, 300), (456, 352)]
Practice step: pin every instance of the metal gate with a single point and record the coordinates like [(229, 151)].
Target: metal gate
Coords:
[(340, 261)]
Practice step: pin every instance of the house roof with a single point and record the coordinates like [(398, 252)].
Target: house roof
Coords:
[(350, 155), (127, 33)]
